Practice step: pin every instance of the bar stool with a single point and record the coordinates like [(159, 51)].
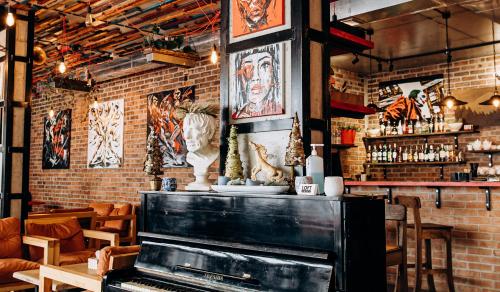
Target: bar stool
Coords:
[(426, 232)]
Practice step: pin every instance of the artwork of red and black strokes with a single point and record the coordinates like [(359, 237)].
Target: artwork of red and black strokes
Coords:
[(56, 140), (164, 124)]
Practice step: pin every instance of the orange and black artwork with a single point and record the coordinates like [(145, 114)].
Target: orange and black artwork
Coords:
[(249, 16), (56, 140)]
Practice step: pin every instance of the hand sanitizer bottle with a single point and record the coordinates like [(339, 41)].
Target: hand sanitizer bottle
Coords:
[(314, 168)]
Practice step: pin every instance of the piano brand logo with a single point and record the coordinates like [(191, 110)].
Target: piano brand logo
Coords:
[(213, 277)]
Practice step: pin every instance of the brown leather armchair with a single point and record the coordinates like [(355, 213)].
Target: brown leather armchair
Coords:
[(117, 218), (69, 247), (11, 254)]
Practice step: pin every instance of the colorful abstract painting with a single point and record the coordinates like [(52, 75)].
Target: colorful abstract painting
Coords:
[(252, 16), (56, 140), (163, 123), (256, 82), (105, 144), (411, 99)]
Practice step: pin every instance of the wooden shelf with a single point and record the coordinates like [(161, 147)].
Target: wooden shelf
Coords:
[(438, 163), (418, 135), (476, 184), (343, 146), (491, 151), (349, 110)]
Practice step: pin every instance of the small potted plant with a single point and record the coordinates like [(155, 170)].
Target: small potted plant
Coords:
[(153, 162), (348, 134)]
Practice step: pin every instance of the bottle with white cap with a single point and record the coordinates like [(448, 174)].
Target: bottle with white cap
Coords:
[(314, 167)]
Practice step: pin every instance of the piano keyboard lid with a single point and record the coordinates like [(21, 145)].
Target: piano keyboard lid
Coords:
[(227, 270)]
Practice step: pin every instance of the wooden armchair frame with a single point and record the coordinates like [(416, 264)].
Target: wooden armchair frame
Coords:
[(81, 216), (49, 246), (54, 249), (91, 282), (132, 230)]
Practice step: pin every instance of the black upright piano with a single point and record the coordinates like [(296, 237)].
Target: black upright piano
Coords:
[(235, 242)]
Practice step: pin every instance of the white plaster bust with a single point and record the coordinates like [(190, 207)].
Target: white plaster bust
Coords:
[(198, 132)]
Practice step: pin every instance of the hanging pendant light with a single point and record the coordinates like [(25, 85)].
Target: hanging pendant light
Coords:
[(449, 100), (213, 55), (62, 66), (372, 104), (494, 100), (10, 20), (51, 113), (88, 18)]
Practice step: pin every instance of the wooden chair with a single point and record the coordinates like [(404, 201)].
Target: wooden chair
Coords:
[(11, 255), (110, 217), (87, 219), (79, 276), (396, 253), (426, 232), (56, 251)]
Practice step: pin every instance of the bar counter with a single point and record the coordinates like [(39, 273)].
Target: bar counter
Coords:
[(436, 185)]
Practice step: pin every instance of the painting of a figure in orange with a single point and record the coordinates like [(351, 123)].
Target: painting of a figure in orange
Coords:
[(250, 16), (56, 140), (164, 124)]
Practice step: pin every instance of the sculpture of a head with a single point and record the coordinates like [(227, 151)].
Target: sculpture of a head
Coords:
[(198, 130)]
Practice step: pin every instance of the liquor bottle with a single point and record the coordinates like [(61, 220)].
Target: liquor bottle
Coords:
[(380, 153), (421, 155), (394, 130), (374, 154), (418, 127), (369, 154), (441, 123), (410, 127), (384, 153), (394, 153), (426, 152), (442, 155), (389, 153), (460, 156), (446, 153), (405, 155), (431, 154), (400, 128), (409, 154), (400, 154), (382, 128), (415, 154), (432, 125)]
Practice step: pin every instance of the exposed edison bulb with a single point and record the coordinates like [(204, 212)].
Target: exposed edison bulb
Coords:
[(88, 18), (450, 104), (51, 113), (10, 20), (95, 104), (213, 56), (62, 67), (496, 102)]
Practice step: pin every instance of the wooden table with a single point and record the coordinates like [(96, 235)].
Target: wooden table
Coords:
[(55, 278)]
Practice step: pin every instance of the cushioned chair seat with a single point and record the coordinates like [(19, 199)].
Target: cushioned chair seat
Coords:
[(76, 257), (122, 233), (9, 266)]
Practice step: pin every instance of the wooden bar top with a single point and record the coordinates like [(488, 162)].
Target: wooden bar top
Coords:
[(477, 184)]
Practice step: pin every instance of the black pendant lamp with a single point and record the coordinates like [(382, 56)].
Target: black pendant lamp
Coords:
[(372, 104), (449, 100), (494, 100)]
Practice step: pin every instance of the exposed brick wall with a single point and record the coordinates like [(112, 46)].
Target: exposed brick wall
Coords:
[(79, 185)]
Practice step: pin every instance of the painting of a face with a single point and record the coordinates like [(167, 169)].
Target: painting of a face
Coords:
[(257, 76), (256, 82), (256, 15)]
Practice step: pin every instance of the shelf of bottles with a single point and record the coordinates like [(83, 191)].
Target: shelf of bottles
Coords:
[(389, 155)]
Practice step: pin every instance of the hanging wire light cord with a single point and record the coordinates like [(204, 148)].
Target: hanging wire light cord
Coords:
[(448, 52), (494, 48)]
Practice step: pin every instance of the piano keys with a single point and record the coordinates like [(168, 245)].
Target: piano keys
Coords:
[(233, 242)]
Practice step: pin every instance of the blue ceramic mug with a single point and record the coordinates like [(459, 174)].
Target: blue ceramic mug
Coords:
[(169, 184)]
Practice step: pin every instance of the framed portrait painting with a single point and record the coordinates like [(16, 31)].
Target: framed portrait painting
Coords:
[(164, 123), (56, 140), (252, 18), (257, 83)]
